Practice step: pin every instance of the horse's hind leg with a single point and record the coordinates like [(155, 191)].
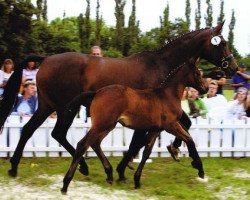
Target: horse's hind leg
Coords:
[(105, 162), (151, 137), (36, 120), (59, 133), (137, 142)]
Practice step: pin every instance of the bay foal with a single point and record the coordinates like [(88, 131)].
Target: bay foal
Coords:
[(151, 110)]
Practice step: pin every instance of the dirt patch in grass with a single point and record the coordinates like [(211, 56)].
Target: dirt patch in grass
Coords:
[(13, 189)]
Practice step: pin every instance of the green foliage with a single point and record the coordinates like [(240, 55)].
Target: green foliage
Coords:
[(188, 12), (98, 26), (222, 15), (113, 53), (16, 29), (120, 24), (22, 34), (198, 15), (209, 16)]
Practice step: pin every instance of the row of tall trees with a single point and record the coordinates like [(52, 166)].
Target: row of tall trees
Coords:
[(24, 29)]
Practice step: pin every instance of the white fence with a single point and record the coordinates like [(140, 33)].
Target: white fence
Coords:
[(213, 139)]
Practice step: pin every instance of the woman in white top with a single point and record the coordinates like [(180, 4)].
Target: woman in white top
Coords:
[(5, 73), (236, 109), (29, 73)]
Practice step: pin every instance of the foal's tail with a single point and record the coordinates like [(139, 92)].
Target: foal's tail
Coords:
[(73, 107), (12, 88)]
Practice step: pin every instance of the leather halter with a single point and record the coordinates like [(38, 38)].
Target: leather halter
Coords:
[(225, 59)]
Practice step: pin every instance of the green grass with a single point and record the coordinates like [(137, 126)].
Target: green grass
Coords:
[(162, 179)]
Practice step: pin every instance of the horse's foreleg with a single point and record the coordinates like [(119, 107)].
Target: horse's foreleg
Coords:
[(193, 153), (105, 162), (137, 142), (36, 120), (59, 134), (151, 137)]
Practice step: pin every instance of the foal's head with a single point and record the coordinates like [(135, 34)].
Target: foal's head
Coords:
[(195, 80)]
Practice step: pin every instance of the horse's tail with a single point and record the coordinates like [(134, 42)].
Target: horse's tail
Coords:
[(12, 87)]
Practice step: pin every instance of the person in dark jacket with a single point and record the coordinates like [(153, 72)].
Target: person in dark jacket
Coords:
[(26, 103)]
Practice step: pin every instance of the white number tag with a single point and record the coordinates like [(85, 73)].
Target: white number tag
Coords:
[(216, 40)]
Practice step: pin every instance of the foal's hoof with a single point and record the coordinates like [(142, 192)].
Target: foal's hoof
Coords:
[(84, 170), (122, 180), (12, 173)]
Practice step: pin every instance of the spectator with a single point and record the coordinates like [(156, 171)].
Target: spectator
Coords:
[(219, 76), (29, 73), (194, 94), (236, 109), (5, 73), (240, 79), (26, 103), (188, 105), (215, 103), (96, 51)]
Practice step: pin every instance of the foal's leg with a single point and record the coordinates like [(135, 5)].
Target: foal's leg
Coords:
[(105, 162), (59, 133), (174, 148), (36, 120), (137, 142), (185, 136), (82, 146), (151, 137)]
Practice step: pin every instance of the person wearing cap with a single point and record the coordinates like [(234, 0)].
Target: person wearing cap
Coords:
[(240, 79), (236, 109), (219, 76)]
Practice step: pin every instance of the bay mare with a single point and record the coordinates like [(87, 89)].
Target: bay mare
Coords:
[(62, 77), (151, 110)]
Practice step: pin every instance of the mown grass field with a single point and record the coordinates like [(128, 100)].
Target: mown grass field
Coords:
[(228, 178)]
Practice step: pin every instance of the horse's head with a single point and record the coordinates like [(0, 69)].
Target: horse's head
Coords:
[(217, 52), (194, 79)]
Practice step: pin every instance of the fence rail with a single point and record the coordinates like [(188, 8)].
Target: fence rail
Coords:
[(212, 139)]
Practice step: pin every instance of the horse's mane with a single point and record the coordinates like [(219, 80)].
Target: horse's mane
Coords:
[(170, 43)]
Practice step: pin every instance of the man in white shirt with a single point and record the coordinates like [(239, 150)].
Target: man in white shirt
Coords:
[(215, 103)]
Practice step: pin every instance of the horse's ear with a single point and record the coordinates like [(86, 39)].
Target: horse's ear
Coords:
[(218, 28)]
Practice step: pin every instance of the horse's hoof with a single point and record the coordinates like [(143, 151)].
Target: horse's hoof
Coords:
[(137, 186), (122, 180), (12, 173), (63, 191), (84, 171), (109, 181), (201, 175)]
